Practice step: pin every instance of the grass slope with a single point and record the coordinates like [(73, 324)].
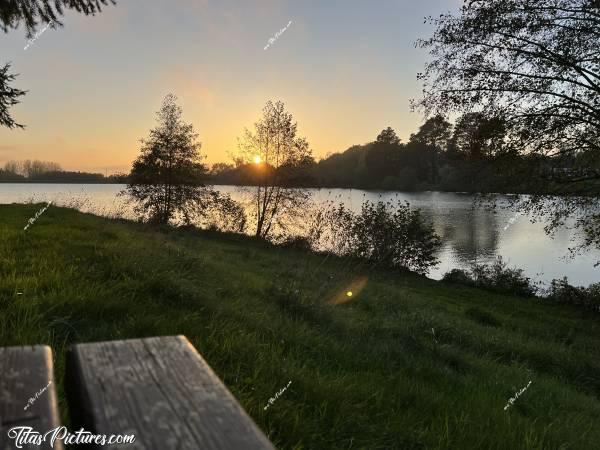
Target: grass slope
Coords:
[(405, 362)]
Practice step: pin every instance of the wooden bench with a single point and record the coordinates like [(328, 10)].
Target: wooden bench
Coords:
[(159, 389), (24, 371)]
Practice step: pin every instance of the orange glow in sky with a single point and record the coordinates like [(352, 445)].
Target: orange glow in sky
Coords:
[(345, 71)]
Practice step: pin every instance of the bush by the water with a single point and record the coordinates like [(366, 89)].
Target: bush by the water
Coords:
[(496, 276), (387, 235), (500, 278), (562, 292)]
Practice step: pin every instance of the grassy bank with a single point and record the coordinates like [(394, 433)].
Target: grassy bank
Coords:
[(405, 362)]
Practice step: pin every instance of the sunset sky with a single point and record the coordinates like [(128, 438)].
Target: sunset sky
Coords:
[(344, 68)]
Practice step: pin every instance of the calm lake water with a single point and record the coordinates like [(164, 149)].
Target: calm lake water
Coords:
[(469, 234)]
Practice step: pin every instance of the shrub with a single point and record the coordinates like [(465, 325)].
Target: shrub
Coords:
[(458, 276), (562, 292), (221, 213), (496, 277), (499, 277), (393, 236)]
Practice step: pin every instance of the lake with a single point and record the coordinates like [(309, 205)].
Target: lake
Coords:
[(469, 234)]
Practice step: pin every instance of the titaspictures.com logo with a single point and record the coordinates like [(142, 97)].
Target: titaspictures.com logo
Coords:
[(28, 436)]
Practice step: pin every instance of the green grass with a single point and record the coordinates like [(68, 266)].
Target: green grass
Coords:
[(366, 373)]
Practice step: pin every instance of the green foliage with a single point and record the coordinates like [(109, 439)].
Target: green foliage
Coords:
[(562, 292), (276, 158), (222, 213), (388, 136), (34, 13), (476, 137), (9, 96), (387, 235), (496, 277), (458, 276), (434, 132), (166, 180)]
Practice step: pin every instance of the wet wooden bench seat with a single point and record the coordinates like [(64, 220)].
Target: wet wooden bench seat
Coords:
[(159, 389)]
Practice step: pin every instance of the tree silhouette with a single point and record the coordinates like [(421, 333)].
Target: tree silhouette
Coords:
[(433, 136), (477, 136), (536, 64), (435, 131), (388, 136), (278, 158), (9, 96), (32, 14), (166, 179)]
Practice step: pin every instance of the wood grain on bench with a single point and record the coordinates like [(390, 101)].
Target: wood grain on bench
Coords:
[(25, 371), (159, 389)]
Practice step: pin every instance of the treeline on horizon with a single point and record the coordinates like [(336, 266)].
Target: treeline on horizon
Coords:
[(36, 171), (467, 156)]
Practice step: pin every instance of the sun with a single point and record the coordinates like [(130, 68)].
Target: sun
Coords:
[(257, 159)]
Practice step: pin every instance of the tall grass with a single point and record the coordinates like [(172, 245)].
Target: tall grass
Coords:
[(367, 372)]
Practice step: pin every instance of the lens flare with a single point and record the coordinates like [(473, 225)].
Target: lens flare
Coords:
[(349, 292)]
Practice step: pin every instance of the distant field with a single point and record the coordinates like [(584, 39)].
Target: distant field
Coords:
[(403, 363)]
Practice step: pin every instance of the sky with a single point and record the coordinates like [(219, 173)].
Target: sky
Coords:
[(345, 69)]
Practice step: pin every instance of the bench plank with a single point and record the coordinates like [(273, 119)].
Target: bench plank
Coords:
[(159, 389), (24, 372)]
